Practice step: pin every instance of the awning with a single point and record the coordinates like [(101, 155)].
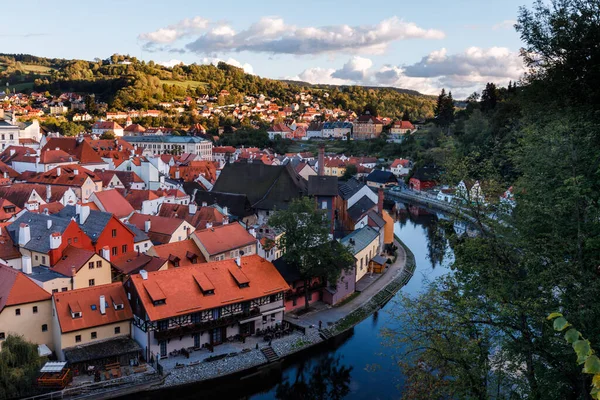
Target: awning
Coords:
[(43, 350), (53, 366), (243, 321), (101, 350), (379, 260), (273, 311)]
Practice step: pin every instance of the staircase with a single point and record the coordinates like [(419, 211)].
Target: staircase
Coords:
[(270, 354), (325, 334)]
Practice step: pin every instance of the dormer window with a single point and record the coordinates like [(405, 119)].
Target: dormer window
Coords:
[(119, 306), (159, 302), (76, 315), (244, 285)]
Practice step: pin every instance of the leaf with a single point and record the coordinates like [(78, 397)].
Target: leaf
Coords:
[(592, 365), (553, 315), (572, 335), (596, 381), (560, 324), (595, 393), (583, 350)]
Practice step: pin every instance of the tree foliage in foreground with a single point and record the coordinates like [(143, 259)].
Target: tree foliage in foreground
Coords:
[(19, 366)]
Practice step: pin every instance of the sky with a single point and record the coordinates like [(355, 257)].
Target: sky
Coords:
[(421, 45)]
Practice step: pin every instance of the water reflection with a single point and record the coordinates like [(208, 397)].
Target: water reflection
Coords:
[(327, 380)]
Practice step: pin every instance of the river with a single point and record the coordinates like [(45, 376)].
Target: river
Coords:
[(358, 366)]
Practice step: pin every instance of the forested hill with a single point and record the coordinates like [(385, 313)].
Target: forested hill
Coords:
[(126, 82)]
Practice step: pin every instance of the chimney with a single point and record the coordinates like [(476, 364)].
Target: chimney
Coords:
[(144, 274), (225, 211), (238, 261), (55, 240), (75, 171), (48, 193), (57, 171), (208, 225), (380, 201), (193, 208), (5, 175), (147, 225), (106, 253), (321, 159), (204, 204), (177, 173), (225, 220), (24, 234), (12, 152), (85, 213), (102, 305), (252, 231), (48, 223), (26, 265)]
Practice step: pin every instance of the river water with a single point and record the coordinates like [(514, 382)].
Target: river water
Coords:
[(359, 365)]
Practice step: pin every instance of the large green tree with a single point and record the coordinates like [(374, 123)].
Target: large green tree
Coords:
[(19, 366), (307, 244)]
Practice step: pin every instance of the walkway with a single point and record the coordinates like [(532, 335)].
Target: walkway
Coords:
[(329, 315)]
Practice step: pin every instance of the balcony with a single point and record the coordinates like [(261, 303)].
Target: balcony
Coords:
[(205, 325)]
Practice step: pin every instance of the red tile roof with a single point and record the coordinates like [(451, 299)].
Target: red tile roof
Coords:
[(7, 209), (19, 193), (400, 161), (219, 239), (8, 250), (181, 287), (403, 125), (72, 258), (81, 149), (113, 202), (186, 252), (112, 125), (65, 175), (136, 197), (16, 288), (161, 228), (83, 299), (198, 220), (132, 262)]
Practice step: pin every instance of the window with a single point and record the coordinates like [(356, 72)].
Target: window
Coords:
[(55, 290), (69, 241), (37, 257), (77, 338), (216, 313), (94, 335), (196, 318), (2, 336), (272, 298), (114, 233), (44, 260), (91, 282), (264, 319), (45, 328), (18, 311), (91, 265), (324, 205), (124, 249), (117, 330), (75, 240), (98, 264), (346, 285), (62, 290), (35, 309), (163, 325), (115, 251)]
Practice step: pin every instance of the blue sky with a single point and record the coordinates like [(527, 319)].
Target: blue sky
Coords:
[(423, 45)]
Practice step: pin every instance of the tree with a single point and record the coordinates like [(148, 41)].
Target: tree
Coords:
[(19, 366), (489, 97), (405, 116), (307, 245), (444, 109), (351, 170), (108, 135)]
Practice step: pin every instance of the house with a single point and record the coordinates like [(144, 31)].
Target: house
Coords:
[(314, 130), (9, 252), (380, 178), (83, 268), (281, 130), (295, 295), (424, 178), (224, 155), (83, 181), (133, 262), (224, 242), (92, 327), (402, 128), (324, 190), (335, 167), (107, 126), (198, 217), (7, 210), (367, 126), (33, 196), (179, 254), (350, 193), (159, 144), (25, 308), (111, 201), (145, 201), (120, 179), (141, 241), (42, 161), (236, 204), (205, 304), (447, 195), (162, 230), (79, 148), (400, 167), (267, 187), (364, 245), (134, 130), (337, 130), (470, 191)]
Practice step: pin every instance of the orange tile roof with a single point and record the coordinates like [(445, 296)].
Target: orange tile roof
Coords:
[(7, 209), (114, 203), (181, 287), (84, 299), (8, 250), (81, 149), (70, 175), (72, 258), (186, 251), (198, 220), (219, 239), (136, 197), (132, 262), (16, 288)]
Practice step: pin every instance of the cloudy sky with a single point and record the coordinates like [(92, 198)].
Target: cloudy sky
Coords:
[(458, 45)]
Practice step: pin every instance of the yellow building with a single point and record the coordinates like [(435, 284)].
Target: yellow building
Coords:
[(335, 167), (25, 308), (84, 267), (364, 245), (94, 315), (388, 230)]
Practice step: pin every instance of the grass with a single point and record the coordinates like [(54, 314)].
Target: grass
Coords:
[(300, 343), (348, 299), (21, 86), (36, 69), (184, 84)]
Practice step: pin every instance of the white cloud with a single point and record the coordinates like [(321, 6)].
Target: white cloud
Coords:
[(171, 63), (462, 73), (506, 24), (171, 33), (273, 35)]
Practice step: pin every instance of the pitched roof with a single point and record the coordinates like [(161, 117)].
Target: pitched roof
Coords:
[(94, 224), (186, 252), (349, 188), (400, 161), (87, 301), (136, 197), (360, 208), (283, 128), (38, 229), (19, 193), (17, 288), (219, 239), (7, 209), (322, 185), (238, 204), (8, 250), (133, 261), (80, 149), (379, 176), (140, 235), (161, 228), (359, 239), (266, 186), (181, 287), (65, 175), (198, 220), (403, 125), (113, 202), (72, 257)]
